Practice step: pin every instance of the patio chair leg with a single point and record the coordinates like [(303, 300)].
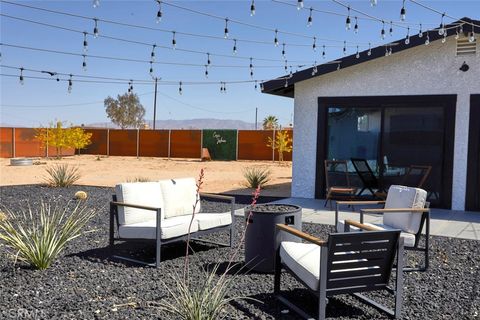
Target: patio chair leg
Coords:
[(278, 272), (158, 245), (399, 280)]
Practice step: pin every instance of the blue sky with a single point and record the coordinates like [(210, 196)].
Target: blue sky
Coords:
[(38, 102)]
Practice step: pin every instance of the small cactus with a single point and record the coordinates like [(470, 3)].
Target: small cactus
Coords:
[(80, 195)]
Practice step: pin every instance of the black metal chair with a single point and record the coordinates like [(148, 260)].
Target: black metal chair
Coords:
[(368, 178), (337, 182), (348, 263)]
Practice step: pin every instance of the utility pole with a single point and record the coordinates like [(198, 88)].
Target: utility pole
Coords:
[(256, 114), (155, 105)]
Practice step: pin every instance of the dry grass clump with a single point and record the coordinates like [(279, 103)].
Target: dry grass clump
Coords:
[(62, 175)]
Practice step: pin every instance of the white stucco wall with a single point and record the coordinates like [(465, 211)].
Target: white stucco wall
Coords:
[(422, 70)]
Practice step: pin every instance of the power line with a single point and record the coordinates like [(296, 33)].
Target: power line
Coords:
[(442, 13)]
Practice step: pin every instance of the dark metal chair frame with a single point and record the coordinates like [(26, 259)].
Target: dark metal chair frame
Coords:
[(342, 192), (368, 178), (378, 248), (425, 222), (114, 227)]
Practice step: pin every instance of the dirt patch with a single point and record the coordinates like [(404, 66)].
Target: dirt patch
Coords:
[(220, 176)]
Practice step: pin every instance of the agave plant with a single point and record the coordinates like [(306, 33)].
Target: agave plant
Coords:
[(256, 176), (62, 175), (38, 237)]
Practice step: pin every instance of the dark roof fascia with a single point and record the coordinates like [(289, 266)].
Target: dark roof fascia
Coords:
[(277, 86)]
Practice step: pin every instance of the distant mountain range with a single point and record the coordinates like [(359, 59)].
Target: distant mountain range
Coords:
[(190, 124)]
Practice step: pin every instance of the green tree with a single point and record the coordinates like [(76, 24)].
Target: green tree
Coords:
[(270, 122), (282, 143), (125, 111)]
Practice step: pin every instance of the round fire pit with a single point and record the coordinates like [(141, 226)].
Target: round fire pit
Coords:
[(21, 162), (260, 242)]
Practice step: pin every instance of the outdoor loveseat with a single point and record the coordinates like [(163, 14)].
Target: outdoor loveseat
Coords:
[(162, 211)]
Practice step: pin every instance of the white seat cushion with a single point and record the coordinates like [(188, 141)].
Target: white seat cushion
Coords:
[(304, 260), (179, 197), (142, 193), (171, 228), (408, 238), (212, 220), (404, 197)]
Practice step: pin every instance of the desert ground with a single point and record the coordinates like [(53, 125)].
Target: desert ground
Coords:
[(220, 176)]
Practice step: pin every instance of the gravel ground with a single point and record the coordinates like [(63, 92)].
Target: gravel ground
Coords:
[(86, 284)]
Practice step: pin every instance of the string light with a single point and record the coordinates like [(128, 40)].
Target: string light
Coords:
[(314, 45), (338, 66), (151, 68), (252, 8), (226, 29), (234, 46), (208, 58), (407, 38), (286, 83), (403, 12), (457, 35), (84, 63), (323, 52), (85, 43), (355, 28), (283, 50), (344, 47), (290, 75), (310, 20), (348, 22), (441, 30), (95, 28), (180, 91), (420, 32), (261, 86), (174, 41), (382, 33), (373, 3), (358, 53), (390, 51), (206, 71), (96, 3), (152, 55), (314, 70), (251, 67), (70, 84), (159, 12), (299, 4), (445, 35), (369, 53), (427, 41), (275, 41), (471, 39), (130, 86), (21, 76), (256, 85), (390, 31), (286, 66), (386, 51)]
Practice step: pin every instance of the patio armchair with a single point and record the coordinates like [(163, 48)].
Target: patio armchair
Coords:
[(406, 209), (162, 212), (337, 182), (348, 263), (368, 178)]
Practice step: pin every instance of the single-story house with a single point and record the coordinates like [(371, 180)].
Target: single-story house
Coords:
[(399, 104)]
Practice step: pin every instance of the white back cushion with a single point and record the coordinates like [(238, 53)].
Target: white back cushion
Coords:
[(404, 197), (142, 193), (179, 197)]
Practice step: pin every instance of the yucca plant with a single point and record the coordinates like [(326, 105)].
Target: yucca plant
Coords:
[(38, 237), (205, 300), (256, 176), (62, 175)]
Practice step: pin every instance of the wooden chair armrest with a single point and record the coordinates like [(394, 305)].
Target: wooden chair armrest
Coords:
[(300, 234), (360, 202), (122, 204), (416, 210), (362, 226), (217, 196)]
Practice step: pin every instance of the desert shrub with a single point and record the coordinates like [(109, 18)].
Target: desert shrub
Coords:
[(256, 176), (139, 179), (38, 237), (62, 175)]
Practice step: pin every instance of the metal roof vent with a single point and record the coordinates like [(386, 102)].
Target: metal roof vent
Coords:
[(465, 47)]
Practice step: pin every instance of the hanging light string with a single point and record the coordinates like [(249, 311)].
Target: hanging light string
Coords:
[(59, 76), (177, 32), (83, 55), (443, 13)]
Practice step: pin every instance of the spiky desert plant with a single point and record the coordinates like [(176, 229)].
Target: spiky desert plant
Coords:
[(256, 176), (39, 236), (62, 175), (139, 179)]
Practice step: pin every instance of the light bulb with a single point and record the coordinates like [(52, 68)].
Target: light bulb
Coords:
[(382, 33), (373, 3), (457, 35), (206, 71), (310, 19), (256, 85), (471, 38), (275, 41), (180, 88), (314, 45), (369, 53), (403, 14), (344, 47), (355, 28), (95, 28), (407, 38), (358, 54), (348, 22), (420, 32), (390, 31), (252, 8), (226, 29), (84, 63), (21, 77), (174, 41), (286, 83), (70, 85), (427, 41), (283, 51), (151, 68), (338, 66), (152, 55), (441, 30), (159, 12), (323, 52), (85, 43), (96, 3), (299, 4), (234, 46), (208, 59)]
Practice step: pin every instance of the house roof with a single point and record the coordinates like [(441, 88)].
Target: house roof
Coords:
[(277, 86)]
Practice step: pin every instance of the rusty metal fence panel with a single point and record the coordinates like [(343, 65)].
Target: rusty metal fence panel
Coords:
[(6, 142), (153, 143), (99, 139), (185, 143), (123, 142), (252, 145)]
